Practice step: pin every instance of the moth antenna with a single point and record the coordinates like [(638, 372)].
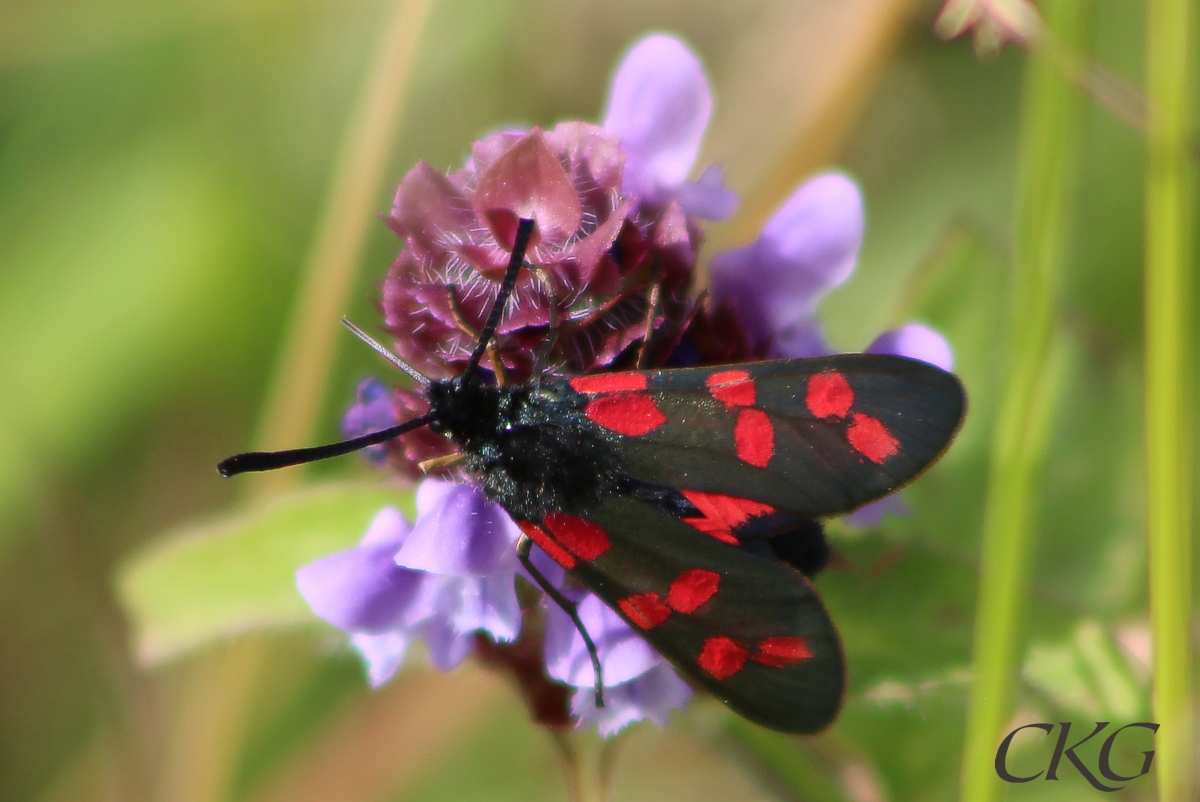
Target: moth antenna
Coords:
[(520, 244), (270, 460), (387, 354)]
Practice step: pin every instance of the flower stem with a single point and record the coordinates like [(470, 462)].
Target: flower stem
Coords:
[(1048, 136), (1169, 188), (586, 761), (298, 387)]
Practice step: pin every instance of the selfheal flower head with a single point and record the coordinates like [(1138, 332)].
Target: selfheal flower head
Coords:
[(596, 253), (612, 253)]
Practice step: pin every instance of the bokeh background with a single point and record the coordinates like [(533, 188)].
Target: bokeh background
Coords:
[(165, 171)]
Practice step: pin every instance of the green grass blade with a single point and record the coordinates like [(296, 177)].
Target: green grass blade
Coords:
[(1048, 136), (1169, 187)]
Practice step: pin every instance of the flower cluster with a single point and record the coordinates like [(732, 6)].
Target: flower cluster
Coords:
[(617, 235)]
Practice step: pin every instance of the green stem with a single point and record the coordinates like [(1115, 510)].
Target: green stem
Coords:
[(1048, 136), (586, 762), (1169, 184), (294, 401)]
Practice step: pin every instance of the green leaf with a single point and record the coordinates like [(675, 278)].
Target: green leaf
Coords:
[(208, 581)]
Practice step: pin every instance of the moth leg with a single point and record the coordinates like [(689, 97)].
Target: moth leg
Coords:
[(460, 322), (567, 606), (444, 461), (456, 313), (497, 365), (542, 357), (651, 312)]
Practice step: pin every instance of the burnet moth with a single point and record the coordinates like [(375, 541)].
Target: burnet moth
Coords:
[(687, 499)]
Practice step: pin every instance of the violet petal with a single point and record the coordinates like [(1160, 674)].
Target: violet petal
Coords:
[(623, 653), (707, 197), (872, 514), (388, 526), (488, 604), (436, 597), (658, 106), (800, 341), (362, 589), (916, 341), (374, 410), (447, 649), (651, 696), (382, 653), (462, 533), (808, 247), (430, 491)]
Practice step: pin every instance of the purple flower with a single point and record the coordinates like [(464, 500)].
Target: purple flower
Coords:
[(374, 409), (364, 593), (638, 682), (407, 582), (651, 695), (916, 341), (809, 247), (659, 106), (616, 216)]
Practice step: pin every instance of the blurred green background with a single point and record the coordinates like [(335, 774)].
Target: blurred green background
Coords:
[(163, 168)]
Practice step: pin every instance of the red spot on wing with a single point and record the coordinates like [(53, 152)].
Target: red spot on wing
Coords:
[(871, 438), (713, 529), (733, 388), (609, 382), (584, 539), (782, 651), (539, 536), (722, 514), (691, 589), (721, 657), (754, 436), (631, 414), (829, 395), (646, 610)]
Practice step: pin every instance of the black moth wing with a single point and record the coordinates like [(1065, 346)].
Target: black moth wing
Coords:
[(748, 628), (843, 430)]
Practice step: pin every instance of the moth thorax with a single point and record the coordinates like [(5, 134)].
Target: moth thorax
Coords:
[(540, 454), (467, 413)]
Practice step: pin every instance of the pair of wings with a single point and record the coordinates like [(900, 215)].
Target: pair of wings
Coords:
[(743, 452)]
